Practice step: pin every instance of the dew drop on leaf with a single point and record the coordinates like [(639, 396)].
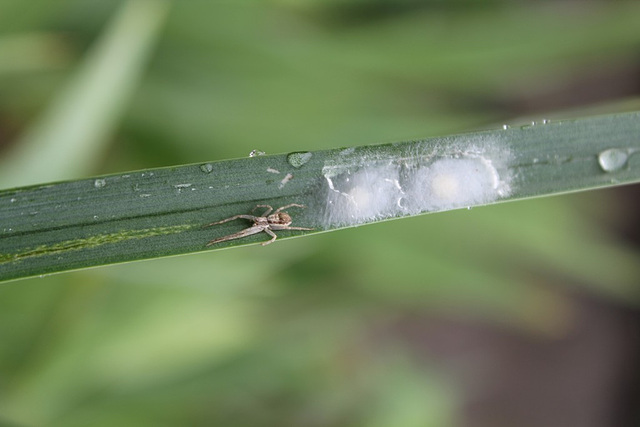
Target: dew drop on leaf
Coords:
[(206, 167), (613, 160), (298, 159)]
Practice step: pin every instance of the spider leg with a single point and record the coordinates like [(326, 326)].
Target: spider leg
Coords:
[(249, 217), (267, 212), (240, 234), (297, 228), (286, 227), (273, 237), (289, 206)]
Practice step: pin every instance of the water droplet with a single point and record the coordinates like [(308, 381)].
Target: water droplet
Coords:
[(254, 153), (206, 168), (505, 127), (545, 121), (99, 183), (298, 159), (613, 160), (181, 187), (13, 199), (95, 217)]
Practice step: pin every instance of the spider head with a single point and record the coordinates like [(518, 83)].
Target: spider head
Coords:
[(280, 218)]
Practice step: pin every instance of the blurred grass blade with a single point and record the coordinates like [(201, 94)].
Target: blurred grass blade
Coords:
[(71, 132), (161, 212)]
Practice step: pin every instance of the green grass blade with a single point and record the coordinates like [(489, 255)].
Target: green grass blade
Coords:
[(72, 131), (161, 212)]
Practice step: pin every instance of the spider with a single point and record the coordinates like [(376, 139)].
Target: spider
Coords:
[(278, 220)]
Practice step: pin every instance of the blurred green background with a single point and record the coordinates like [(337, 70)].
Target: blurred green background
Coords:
[(518, 314)]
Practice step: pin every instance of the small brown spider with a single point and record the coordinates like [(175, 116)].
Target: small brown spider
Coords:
[(268, 223)]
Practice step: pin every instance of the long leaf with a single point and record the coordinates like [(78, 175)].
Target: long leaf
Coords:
[(162, 212)]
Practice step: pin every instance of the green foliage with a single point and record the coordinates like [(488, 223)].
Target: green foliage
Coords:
[(161, 212), (308, 330)]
